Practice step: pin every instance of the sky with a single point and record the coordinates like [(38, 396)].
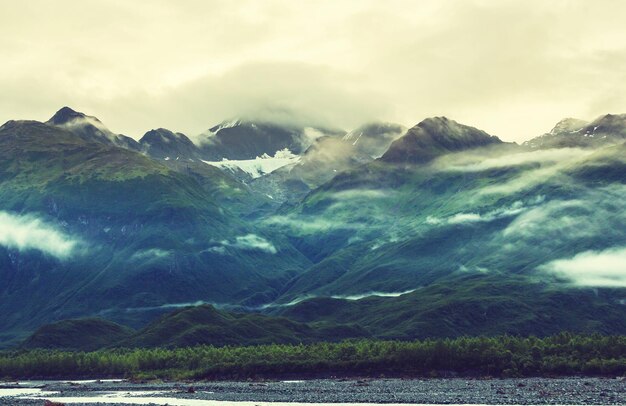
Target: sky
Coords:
[(511, 68)]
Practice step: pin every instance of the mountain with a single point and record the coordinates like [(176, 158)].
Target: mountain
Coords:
[(78, 335), (164, 144), (470, 305), (244, 139), (277, 163), (200, 325), (496, 213), (326, 157), (179, 153), (450, 232), (374, 138), (207, 325), (434, 137), (246, 151), (97, 228), (606, 130), (90, 128), (461, 305)]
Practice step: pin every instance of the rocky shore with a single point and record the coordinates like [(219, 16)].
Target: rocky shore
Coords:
[(528, 391)]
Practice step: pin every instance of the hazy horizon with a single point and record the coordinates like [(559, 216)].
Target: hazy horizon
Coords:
[(511, 68)]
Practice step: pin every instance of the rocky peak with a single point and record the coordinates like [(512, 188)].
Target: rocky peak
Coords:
[(66, 115), (436, 136)]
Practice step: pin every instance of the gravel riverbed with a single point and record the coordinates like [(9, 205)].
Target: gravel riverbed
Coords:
[(528, 391)]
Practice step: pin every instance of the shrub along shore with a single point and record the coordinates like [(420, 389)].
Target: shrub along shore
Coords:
[(503, 356)]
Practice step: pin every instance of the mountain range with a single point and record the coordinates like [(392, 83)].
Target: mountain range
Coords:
[(257, 232)]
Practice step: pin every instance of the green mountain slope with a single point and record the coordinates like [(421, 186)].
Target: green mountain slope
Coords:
[(487, 237), (186, 327), (90, 128), (135, 233), (78, 334), (207, 325), (519, 219), (463, 304)]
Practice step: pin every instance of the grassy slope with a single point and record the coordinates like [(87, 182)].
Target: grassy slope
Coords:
[(472, 305), (201, 325), (207, 325), (78, 334), (458, 306)]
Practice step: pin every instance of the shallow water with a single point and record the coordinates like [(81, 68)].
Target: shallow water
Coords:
[(144, 398), (148, 397), (96, 380), (15, 392)]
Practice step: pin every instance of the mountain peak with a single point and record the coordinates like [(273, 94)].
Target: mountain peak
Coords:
[(66, 115), (162, 143), (436, 136), (570, 125), (161, 135), (573, 133), (226, 124), (610, 121)]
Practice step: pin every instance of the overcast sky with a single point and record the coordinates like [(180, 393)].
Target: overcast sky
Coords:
[(512, 68)]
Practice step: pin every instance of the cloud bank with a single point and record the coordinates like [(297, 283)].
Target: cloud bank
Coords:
[(189, 65), (26, 232), (606, 269), (476, 162)]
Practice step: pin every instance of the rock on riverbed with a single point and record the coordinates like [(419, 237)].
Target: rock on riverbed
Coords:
[(529, 391)]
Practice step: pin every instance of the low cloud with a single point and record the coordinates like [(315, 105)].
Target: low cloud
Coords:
[(533, 167), (217, 250), (322, 59), (149, 254), (359, 296), (362, 194), (308, 225), (595, 219), (372, 294), (473, 269), (250, 242), (478, 162), (369, 201), (562, 218), (605, 268), (27, 232), (464, 218)]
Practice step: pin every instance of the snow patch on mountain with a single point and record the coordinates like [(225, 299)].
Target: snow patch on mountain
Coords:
[(226, 124), (261, 165)]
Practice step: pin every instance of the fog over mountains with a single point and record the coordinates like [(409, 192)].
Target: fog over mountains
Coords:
[(320, 233)]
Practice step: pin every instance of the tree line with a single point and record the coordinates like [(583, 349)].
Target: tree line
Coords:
[(564, 354)]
